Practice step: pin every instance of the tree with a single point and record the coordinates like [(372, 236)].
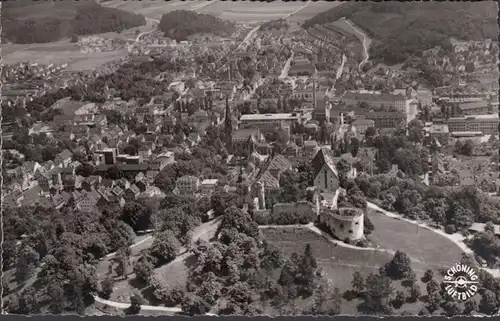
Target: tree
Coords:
[(411, 278), (370, 132), (489, 303), (85, 170), (470, 307), (489, 228), (107, 287), (358, 283), (399, 300), (143, 269), (432, 286), (354, 146), (135, 304), (400, 266), (74, 38), (121, 261), (26, 263), (130, 150), (368, 226), (327, 300), (433, 301), (452, 309), (415, 131), (428, 275), (377, 296), (235, 218), (194, 305), (136, 215), (165, 246), (415, 293), (114, 173)]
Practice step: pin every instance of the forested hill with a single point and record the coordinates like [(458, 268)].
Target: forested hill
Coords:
[(181, 24), (27, 21), (400, 29)]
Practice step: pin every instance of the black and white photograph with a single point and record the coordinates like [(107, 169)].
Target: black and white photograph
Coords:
[(250, 158)]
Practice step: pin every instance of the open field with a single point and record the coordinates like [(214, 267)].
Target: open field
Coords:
[(311, 10), (421, 244), (59, 53), (155, 9), (236, 11), (339, 263)]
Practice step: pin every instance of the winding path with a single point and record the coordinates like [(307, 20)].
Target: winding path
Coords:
[(366, 42), (123, 306), (150, 31)]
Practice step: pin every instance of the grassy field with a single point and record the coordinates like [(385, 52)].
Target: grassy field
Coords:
[(339, 263), (237, 11), (432, 249), (155, 9), (312, 9), (59, 53)]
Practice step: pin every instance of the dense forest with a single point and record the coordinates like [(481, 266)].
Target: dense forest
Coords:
[(181, 24), (41, 22), (402, 29)]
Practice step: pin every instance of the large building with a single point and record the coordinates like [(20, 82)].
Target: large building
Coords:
[(487, 124), (301, 67), (387, 119), (398, 102), (269, 122)]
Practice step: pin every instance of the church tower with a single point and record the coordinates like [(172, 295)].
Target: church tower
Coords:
[(228, 127)]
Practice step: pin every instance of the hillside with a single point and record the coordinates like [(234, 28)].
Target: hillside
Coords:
[(27, 21), (401, 29), (181, 24)]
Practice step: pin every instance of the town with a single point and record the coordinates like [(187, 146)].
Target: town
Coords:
[(274, 170)]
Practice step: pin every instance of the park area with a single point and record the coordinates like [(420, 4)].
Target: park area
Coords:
[(423, 245), (339, 263)]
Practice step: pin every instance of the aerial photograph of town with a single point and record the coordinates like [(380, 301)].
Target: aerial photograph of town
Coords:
[(277, 158)]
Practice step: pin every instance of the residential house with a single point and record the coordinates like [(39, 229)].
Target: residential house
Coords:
[(207, 186), (310, 148), (131, 193), (63, 159), (87, 201), (187, 184)]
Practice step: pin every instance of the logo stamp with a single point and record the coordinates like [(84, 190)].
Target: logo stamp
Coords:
[(461, 282)]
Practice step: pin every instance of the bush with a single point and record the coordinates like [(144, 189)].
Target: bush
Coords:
[(165, 247), (450, 229), (135, 304), (143, 269), (107, 287), (400, 266)]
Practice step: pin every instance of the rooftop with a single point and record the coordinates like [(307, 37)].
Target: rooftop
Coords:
[(490, 116), (268, 117)]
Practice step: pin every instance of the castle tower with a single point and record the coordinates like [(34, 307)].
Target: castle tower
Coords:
[(261, 195)]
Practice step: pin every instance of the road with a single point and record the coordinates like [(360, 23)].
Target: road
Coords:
[(286, 67), (366, 42), (156, 22), (294, 12), (124, 306), (5, 56)]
